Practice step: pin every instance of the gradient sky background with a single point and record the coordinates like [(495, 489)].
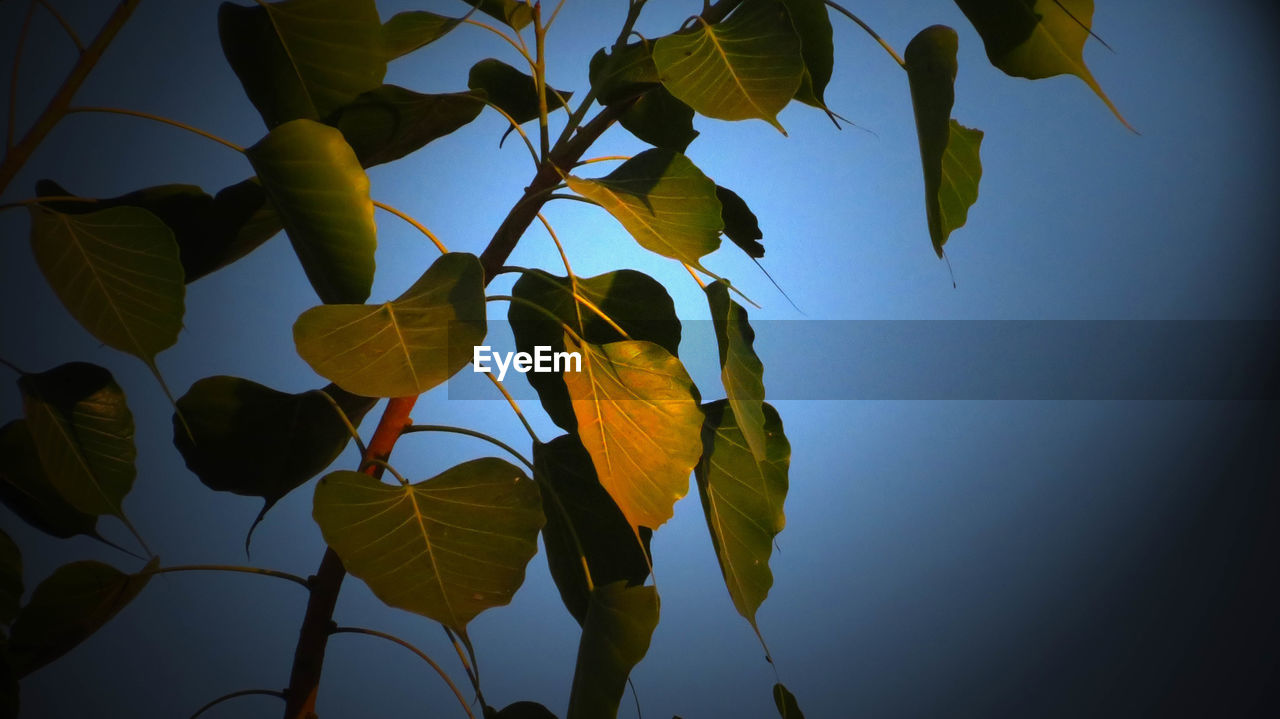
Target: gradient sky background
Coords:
[(959, 558)]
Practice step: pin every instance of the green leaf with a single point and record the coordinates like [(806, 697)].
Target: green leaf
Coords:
[(83, 433), (740, 223), (634, 301), (321, 194), (786, 703), (27, 491), (520, 710), (10, 579), (621, 73), (749, 66), (513, 91), (741, 371), (1037, 38), (948, 150), (252, 440), (661, 120), (584, 525), (811, 23), (742, 499), (212, 232), (303, 58), (638, 417), (446, 548), (663, 200), (409, 31), (390, 122), (403, 347), (615, 638), (67, 608), (514, 13), (117, 272)]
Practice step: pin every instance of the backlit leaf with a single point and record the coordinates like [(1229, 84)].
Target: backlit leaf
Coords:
[(634, 301), (741, 371), (321, 194), (1037, 38), (638, 417), (83, 433), (403, 347), (663, 200), (615, 638), (414, 29), (10, 579), (390, 122), (67, 608), (810, 20), (583, 525), (742, 499), (514, 13), (512, 90), (786, 703), (446, 548), (252, 440), (749, 66), (27, 491), (303, 58), (661, 120), (740, 223), (948, 150), (117, 271)]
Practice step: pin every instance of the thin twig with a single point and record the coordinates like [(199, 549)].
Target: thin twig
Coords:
[(876, 36), (235, 695), (470, 433), (346, 421), (421, 655), (158, 118), (229, 568), (418, 225), (66, 26), (14, 74)]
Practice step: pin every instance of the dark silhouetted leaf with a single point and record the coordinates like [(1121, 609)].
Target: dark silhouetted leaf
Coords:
[(749, 66), (948, 150), (27, 491), (10, 579), (742, 499), (67, 608), (520, 710), (117, 271), (583, 525), (321, 194), (303, 58), (661, 120), (1037, 38), (663, 201), (638, 417), (615, 638), (740, 223), (515, 13), (83, 433), (252, 440), (786, 703), (634, 301), (409, 31), (740, 369), (446, 548), (619, 73), (811, 23), (403, 347), (512, 90), (212, 232), (388, 123)]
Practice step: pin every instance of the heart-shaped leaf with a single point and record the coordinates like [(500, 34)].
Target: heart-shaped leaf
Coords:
[(749, 66), (1037, 38), (785, 701), (390, 122), (615, 638), (584, 526), (27, 491), (742, 499), (638, 417), (303, 58), (513, 91), (741, 371), (83, 433), (740, 223), (249, 439), (10, 579), (212, 232), (663, 200), (446, 548), (117, 271), (632, 300), (811, 23), (414, 29), (948, 150), (403, 347), (321, 194), (67, 608)]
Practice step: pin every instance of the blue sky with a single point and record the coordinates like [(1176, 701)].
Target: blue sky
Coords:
[(963, 558)]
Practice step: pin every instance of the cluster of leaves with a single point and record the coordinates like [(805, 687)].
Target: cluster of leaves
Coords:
[(636, 427)]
